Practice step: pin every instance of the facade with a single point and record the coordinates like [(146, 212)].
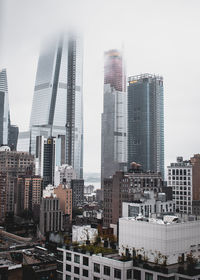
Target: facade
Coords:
[(64, 174), (58, 98), (75, 264), (64, 194), (77, 187), (4, 108), (184, 178), (172, 236), (14, 164), (3, 184), (8, 132), (29, 189), (23, 142), (127, 187), (51, 216), (114, 118), (150, 203), (146, 122)]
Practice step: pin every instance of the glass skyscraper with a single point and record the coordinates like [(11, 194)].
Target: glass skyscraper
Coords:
[(57, 107), (114, 122), (8, 132), (146, 122)]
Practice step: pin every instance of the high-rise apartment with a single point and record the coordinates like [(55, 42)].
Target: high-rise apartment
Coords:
[(146, 122), (114, 124), (12, 165), (8, 132), (28, 193), (57, 107)]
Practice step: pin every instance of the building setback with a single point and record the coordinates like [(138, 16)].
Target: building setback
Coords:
[(114, 122), (58, 97), (146, 122)]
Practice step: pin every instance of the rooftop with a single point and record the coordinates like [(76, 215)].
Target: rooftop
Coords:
[(164, 219)]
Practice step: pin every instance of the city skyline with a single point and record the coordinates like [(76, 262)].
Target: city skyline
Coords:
[(164, 50)]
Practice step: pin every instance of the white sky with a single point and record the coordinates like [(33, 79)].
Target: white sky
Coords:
[(161, 37)]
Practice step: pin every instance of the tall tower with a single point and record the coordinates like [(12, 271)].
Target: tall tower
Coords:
[(146, 122), (8, 132), (57, 107), (114, 124), (4, 108)]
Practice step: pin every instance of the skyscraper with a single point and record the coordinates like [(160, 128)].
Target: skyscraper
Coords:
[(58, 98), (8, 132), (114, 124), (4, 108), (146, 122)]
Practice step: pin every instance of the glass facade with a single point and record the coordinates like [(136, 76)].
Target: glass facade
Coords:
[(57, 107), (146, 122)]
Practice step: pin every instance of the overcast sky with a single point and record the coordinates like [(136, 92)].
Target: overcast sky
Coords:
[(161, 37)]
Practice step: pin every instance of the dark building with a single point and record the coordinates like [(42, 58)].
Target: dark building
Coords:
[(127, 187), (13, 133), (77, 186), (146, 122), (49, 162)]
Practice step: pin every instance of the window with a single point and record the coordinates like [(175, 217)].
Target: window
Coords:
[(148, 276), (96, 278), (85, 261), (117, 273), (97, 267), (68, 256), (59, 276), (106, 270), (59, 266), (137, 274), (75, 278), (85, 272), (76, 258), (68, 277), (68, 267), (129, 274), (76, 270)]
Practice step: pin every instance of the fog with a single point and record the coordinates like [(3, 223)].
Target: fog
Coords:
[(161, 37)]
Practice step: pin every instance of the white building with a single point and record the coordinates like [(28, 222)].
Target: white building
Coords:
[(154, 237), (83, 233), (64, 174), (180, 179), (151, 203), (74, 264)]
